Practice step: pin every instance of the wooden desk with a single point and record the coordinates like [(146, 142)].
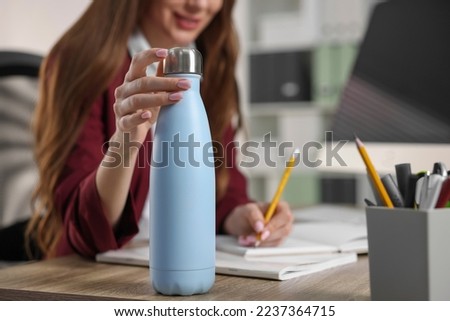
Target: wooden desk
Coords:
[(74, 278)]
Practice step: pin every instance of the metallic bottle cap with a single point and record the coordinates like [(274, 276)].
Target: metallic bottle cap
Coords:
[(183, 61)]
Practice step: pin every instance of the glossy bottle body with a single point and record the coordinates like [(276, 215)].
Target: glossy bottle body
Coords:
[(182, 197)]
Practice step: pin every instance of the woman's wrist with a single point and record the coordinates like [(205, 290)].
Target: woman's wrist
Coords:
[(121, 151)]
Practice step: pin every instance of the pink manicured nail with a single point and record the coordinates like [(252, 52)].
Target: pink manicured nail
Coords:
[(251, 239), (146, 115), (265, 235), (175, 96), (242, 240), (184, 84), (259, 226), (161, 53)]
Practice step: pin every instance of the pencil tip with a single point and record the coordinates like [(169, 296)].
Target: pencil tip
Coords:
[(357, 140)]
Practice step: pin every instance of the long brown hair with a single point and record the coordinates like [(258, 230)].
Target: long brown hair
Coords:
[(82, 64)]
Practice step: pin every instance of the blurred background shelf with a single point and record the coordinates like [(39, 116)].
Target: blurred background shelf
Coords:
[(295, 60)]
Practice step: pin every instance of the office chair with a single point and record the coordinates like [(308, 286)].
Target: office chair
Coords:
[(18, 172), (14, 63)]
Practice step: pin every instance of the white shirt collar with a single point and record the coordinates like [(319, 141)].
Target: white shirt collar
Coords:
[(137, 43)]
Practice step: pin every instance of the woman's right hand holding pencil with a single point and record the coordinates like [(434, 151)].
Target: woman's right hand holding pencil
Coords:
[(247, 222)]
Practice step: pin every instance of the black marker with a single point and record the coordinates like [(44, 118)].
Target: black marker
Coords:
[(369, 202), (411, 191), (403, 171)]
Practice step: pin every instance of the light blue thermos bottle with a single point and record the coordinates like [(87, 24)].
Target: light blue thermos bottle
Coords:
[(182, 187)]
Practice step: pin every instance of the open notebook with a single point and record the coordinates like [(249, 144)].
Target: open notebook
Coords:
[(276, 267)]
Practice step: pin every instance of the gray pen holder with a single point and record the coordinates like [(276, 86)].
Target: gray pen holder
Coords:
[(409, 253)]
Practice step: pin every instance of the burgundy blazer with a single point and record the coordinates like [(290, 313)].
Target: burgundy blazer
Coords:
[(86, 229)]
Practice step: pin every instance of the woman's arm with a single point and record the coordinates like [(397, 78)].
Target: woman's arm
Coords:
[(105, 181), (136, 108)]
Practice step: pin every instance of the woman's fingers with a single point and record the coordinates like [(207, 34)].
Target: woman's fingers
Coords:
[(140, 93), (283, 216), (141, 60), (279, 226), (137, 102), (128, 122), (247, 222), (151, 85)]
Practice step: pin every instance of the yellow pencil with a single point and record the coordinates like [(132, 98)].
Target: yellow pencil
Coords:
[(374, 177), (276, 198)]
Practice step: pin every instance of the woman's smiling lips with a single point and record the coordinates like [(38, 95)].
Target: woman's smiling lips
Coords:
[(187, 23)]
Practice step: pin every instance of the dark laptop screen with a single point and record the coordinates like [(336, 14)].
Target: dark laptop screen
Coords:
[(399, 90)]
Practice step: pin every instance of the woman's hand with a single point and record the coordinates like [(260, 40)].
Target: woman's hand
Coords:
[(139, 98), (246, 221)]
